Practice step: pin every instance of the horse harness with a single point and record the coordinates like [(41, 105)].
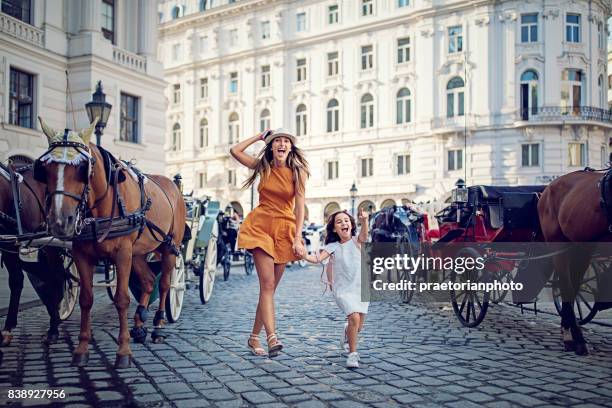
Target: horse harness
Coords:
[(605, 199), (12, 222), (88, 227)]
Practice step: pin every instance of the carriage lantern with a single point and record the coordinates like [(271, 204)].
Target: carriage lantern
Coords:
[(460, 192), (98, 108)]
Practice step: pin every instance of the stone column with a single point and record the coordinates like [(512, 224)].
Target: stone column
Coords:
[(147, 30), (90, 16)]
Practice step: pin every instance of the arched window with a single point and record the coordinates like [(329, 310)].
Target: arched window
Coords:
[(300, 120), (234, 128), (367, 111), (367, 205), (264, 120), (529, 94), (330, 208), (176, 137), (388, 203), (455, 97), (403, 106), (203, 133), (176, 12), (333, 116), (203, 4)]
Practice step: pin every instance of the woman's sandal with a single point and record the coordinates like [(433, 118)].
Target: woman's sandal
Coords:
[(256, 351), (274, 345)]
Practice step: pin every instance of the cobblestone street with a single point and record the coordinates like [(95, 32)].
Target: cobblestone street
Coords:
[(411, 355)]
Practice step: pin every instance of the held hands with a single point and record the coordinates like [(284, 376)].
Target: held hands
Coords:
[(298, 248)]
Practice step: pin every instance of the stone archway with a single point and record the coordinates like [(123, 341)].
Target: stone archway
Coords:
[(238, 208), (387, 203), (330, 208), (367, 205)]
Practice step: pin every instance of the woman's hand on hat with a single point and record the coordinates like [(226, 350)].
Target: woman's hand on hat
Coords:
[(265, 133)]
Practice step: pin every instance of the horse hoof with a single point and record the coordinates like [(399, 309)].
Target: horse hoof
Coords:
[(581, 349), (139, 334), (568, 346), (80, 360), (51, 338), (123, 361), (6, 340), (158, 339)]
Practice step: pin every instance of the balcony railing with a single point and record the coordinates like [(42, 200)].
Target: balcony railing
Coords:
[(21, 30), (560, 113), (129, 60)]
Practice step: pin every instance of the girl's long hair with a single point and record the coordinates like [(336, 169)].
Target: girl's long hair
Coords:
[(330, 234), (295, 161)]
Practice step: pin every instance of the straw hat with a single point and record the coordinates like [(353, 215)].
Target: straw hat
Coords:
[(279, 133)]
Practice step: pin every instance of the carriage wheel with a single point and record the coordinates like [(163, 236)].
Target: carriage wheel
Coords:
[(174, 299), (470, 306), (207, 277), (584, 305), (71, 288), (405, 294), (249, 262), (502, 276), (110, 276)]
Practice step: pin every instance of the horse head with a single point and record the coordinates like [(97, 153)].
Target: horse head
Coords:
[(66, 168)]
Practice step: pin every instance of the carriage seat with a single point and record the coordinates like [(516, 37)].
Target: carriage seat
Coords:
[(507, 206)]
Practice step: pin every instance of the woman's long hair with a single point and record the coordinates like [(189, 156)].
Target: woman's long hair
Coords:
[(330, 234), (295, 161)]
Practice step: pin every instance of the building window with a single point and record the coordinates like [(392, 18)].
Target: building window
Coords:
[(129, 118), (233, 86), (572, 28), (367, 7), (202, 180), (264, 120), (333, 14), (300, 120), (403, 3), (301, 69), (403, 50), (231, 177), (176, 52), (602, 95), (367, 111), (176, 94), (331, 170), (403, 106), (455, 97), (234, 128), (530, 155), (176, 137), (108, 20), (203, 133), (455, 39), (367, 167), (265, 76), (529, 94), (300, 24), (20, 9), (455, 159), (21, 99), (403, 164), (332, 63), (529, 28), (367, 57), (203, 5), (601, 38), (603, 156), (577, 154), (333, 116), (176, 12), (233, 37), (203, 88), (571, 89), (265, 30)]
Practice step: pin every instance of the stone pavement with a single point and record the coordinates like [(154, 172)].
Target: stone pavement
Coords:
[(415, 355)]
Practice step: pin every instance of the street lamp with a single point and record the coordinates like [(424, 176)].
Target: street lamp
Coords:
[(353, 192), (98, 108)]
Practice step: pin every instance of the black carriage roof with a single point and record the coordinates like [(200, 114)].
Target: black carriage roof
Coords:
[(496, 192)]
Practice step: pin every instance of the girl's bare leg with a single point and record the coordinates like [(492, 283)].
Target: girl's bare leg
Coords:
[(259, 316), (362, 317), (351, 331)]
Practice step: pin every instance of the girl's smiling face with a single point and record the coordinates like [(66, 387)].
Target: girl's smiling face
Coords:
[(343, 226), (281, 146)]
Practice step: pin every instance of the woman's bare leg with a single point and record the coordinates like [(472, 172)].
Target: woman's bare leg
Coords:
[(279, 269), (362, 317), (351, 331)]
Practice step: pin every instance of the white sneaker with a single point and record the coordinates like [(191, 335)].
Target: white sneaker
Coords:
[(352, 361), (344, 339)]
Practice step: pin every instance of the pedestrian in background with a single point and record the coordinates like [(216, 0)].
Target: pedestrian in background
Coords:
[(273, 230)]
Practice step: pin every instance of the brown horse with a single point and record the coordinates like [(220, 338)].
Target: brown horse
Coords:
[(570, 211), (49, 269), (79, 188)]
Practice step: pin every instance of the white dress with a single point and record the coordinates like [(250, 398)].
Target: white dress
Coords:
[(346, 276)]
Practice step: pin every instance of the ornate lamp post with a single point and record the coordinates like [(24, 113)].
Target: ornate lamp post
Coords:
[(98, 108), (353, 192)]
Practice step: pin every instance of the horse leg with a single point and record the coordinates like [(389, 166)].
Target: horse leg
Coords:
[(12, 263), (123, 263), (55, 283), (85, 265), (579, 262), (168, 263), (145, 276)]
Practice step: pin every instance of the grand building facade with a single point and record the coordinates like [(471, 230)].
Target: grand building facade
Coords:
[(53, 53), (400, 97)]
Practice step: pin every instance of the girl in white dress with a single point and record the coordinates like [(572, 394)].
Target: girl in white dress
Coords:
[(344, 248)]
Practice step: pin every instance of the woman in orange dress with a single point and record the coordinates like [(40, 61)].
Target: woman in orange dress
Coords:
[(273, 230)]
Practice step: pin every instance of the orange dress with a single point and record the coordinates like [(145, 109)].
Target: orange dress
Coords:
[(271, 225)]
